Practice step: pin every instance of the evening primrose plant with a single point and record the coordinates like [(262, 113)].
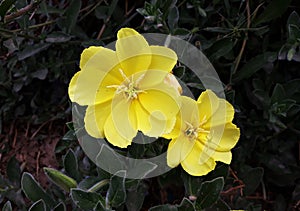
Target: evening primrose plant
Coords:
[(132, 89)]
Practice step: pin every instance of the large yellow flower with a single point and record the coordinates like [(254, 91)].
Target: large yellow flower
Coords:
[(203, 134), (126, 90)]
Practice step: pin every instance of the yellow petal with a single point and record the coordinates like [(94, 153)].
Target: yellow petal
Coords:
[(224, 157), (87, 54), (178, 150), (196, 166), (150, 125), (208, 103), (224, 114), (95, 69), (171, 80), (225, 137), (95, 118), (114, 136), (120, 127), (72, 86), (163, 58), (162, 102), (133, 51), (187, 113)]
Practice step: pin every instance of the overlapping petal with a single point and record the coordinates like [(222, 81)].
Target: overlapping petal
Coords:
[(95, 118), (196, 167), (120, 127), (133, 51), (92, 74)]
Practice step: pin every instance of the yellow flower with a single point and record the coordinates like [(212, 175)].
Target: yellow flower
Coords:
[(203, 134), (126, 90)]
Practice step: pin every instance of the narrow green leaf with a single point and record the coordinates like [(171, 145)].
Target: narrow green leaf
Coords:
[(116, 194), (71, 164), (253, 65), (173, 18), (7, 206), (13, 171), (60, 179), (38, 206), (274, 10), (33, 190), (209, 193), (4, 7), (218, 29), (86, 200), (32, 50), (58, 37)]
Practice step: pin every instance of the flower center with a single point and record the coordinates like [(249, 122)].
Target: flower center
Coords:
[(192, 132), (129, 88)]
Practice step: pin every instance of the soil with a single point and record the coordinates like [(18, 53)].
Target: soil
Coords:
[(32, 145)]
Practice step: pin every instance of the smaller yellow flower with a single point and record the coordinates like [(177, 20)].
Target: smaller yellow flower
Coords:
[(203, 134)]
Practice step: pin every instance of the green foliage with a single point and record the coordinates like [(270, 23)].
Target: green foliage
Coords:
[(253, 45)]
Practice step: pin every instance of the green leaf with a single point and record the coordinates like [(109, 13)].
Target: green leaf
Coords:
[(294, 19), (220, 48), (72, 13), (32, 50), (274, 10), (192, 184), (85, 200), (135, 198), (60, 207), (253, 65), (209, 193), (101, 207), (278, 94), (71, 165), (173, 18), (220, 205), (40, 74), (106, 153), (38, 206), (218, 29), (263, 97), (166, 207), (112, 7), (33, 190), (116, 194), (252, 178), (186, 205), (294, 35), (58, 37), (7, 206), (4, 7), (13, 171), (60, 179)]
